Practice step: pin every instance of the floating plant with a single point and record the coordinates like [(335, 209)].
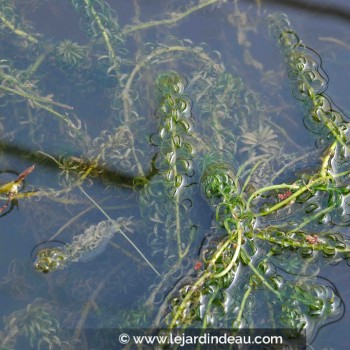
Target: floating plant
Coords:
[(84, 247), (191, 156)]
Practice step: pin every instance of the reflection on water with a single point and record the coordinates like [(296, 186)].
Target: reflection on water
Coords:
[(141, 104)]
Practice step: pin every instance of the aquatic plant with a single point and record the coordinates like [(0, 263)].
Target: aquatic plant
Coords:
[(11, 188), (310, 83), (84, 247), (36, 323), (69, 52), (263, 140), (15, 282), (187, 158), (225, 265), (175, 166)]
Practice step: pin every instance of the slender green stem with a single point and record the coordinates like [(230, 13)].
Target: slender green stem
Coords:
[(250, 160), (289, 164), (332, 127), (330, 153), (17, 31), (55, 113), (187, 297), (220, 251), (34, 98), (244, 301), (105, 34), (36, 101), (35, 66), (298, 244), (266, 189), (294, 195), (181, 254), (235, 256), (175, 18), (260, 276), (314, 217), (205, 276), (125, 95), (178, 221), (250, 175)]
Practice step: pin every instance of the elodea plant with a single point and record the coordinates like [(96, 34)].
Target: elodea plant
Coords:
[(211, 225)]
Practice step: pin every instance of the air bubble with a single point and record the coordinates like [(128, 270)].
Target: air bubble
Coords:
[(325, 219), (179, 181), (171, 158), (300, 63), (338, 118), (183, 105), (322, 102), (185, 124), (288, 40), (277, 281), (328, 250), (311, 208), (177, 141), (316, 81), (169, 174), (300, 92), (155, 139), (171, 83), (307, 252)]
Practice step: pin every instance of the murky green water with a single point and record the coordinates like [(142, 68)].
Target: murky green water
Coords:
[(168, 121)]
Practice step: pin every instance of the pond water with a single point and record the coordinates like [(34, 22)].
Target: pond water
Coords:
[(165, 135)]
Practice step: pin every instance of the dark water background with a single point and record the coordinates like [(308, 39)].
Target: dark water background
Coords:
[(322, 25)]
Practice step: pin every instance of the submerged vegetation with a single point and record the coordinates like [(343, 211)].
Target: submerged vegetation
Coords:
[(175, 189)]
